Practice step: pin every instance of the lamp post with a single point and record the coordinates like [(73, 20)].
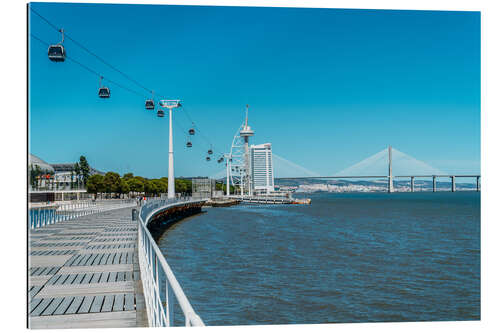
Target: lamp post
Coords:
[(170, 105)]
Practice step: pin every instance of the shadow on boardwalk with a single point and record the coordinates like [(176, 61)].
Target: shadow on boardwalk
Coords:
[(84, 273)]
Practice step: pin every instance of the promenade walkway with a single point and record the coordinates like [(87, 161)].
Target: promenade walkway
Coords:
[(84, 273)]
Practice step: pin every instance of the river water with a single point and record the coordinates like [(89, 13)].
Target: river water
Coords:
[(352, 257)]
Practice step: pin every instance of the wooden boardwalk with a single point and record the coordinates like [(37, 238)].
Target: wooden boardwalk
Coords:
[(85, 273)]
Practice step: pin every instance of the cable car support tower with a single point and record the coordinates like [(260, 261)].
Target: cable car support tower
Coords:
[(170, 105)]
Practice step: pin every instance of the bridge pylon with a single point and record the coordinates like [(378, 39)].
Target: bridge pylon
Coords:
[(390, 184)]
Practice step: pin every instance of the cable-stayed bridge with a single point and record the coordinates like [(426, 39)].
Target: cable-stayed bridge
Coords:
[(377, 166)]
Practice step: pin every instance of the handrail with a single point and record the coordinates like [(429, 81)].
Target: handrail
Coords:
[(154, 267), (43, 216)]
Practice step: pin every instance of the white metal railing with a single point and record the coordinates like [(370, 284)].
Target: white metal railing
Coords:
[(158, 281), (42, 216)]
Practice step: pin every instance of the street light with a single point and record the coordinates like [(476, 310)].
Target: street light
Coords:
[(170, 104)]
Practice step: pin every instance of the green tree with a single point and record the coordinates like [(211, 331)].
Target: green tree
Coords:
[(124, 187), (148, 187), (84, 169), (180, 186), (38, 173), (34, 172), (159, 186), (128, 176), (112, 182), (71, 182), (163, 183), (77, 170), (95, 184), (136, 185)]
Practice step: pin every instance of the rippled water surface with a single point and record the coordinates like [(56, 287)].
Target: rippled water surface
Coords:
[(345, 258)]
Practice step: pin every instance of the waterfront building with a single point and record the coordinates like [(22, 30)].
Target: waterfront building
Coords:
[(55, 182), (261, 166)]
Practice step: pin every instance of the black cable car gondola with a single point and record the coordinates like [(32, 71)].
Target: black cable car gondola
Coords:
[(57, 52), (189, 144), (160, 113), (208, 158), (210, 152), (150, 103), (104, 92), (191, 131)]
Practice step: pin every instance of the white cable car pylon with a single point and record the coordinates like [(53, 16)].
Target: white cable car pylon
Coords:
[(170, 105)]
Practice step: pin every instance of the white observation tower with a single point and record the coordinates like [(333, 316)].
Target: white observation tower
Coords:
[(245, 133)]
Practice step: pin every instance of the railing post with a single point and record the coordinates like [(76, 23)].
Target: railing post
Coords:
[(477, 184), (453, 188)]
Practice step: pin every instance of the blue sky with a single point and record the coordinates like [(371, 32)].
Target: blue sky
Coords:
[(326, 87)]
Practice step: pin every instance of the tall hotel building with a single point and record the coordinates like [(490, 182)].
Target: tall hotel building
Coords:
[(261, 166)]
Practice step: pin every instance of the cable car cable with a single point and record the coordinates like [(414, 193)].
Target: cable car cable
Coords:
[(112, 67), (91, 70), (92, 53)]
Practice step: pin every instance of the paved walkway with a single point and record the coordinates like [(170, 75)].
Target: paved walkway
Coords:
[(85, 273)]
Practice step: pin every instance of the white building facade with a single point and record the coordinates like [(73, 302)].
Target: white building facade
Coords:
[(261, 166)]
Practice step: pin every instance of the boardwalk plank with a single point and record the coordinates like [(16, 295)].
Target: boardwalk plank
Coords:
[(61, 309), (104, 277), (70, 279), (87, 278), (34, 303), (53, 270), (108, 303), (98, 259), (53, 306), (95, 278), (112, 276), (129, 302), (75, 305), (79, 278), (87, 302), (34, 291), (118, 304), (97, 304), (62, 279), (90, 320), (41, 307), (110, 259)]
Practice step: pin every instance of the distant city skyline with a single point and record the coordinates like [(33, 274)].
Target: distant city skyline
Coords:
[(328, 88)]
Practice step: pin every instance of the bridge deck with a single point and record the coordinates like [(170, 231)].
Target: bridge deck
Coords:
[(84, 273)]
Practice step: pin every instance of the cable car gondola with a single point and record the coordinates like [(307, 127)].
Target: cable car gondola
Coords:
[(191, 131), (189, 144), (208, 158), (150, 104), (210, 152), (160, 113), (57, 52), (104, 92)]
